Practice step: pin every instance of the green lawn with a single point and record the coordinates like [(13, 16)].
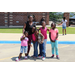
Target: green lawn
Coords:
[(70, 30)]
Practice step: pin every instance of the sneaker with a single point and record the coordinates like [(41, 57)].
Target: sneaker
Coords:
[(57, 57), (32, 56), (43, 58), (17, 59), (26, 57), (39, 57), (52, 56), (38, 54)]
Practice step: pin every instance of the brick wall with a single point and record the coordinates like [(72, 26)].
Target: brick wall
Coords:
[(66, 14), (18, 18)]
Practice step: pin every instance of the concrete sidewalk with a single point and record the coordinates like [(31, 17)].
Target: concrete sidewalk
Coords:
[(16, 37)]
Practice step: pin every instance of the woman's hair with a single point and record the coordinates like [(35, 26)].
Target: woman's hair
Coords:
[(30, 15)]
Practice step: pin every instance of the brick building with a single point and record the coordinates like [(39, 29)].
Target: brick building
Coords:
[(18, 18)]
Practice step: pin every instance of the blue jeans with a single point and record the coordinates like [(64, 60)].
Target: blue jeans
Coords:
[(23, 48), (45, 41), (64, 27), (54, 45), (42, 51), (36, 49)]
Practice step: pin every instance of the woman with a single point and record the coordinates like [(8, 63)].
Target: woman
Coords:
[(63, 23), (28, 26)]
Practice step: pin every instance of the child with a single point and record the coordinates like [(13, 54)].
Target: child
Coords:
[(53, 34), (44, 30), (24, 45), (35, 43), (63, 23), (40, 39)]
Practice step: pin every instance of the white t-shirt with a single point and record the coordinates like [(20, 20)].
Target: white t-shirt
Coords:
[(64, 22)]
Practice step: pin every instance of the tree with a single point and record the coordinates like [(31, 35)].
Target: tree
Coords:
[(55, 16)]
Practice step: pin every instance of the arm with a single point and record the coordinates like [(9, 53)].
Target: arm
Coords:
[(60, 23), (22, 38), (48, 29), (56, 36), (50, 37), (42, 38), (24, 27)]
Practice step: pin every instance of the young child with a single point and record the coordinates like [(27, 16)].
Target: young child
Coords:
[(24, 46), (40, 39), (35, 44), (53, 34), (44, 30)]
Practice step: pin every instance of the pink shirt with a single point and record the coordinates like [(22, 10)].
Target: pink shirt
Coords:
[(33, 37), (53, 33), (24, 42), (44, 32)]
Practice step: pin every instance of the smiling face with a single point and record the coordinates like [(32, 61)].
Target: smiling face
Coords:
[(26, 34), (43, 24), (30, 18), (36, 32)]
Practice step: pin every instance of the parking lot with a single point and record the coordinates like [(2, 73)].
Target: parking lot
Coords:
[(8, 53)]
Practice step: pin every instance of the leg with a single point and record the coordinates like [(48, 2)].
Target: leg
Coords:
[(20, 55), (65, 31), (43, 51), (56, 47), (40, 50), (36, 49), (30, 38), (52, 44), (21, 51), (45, 41)]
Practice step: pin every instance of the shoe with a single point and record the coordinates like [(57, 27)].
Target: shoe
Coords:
[(32, 56), (26, 57), (57, 57), (43, 58), (17, 59), (38, 54), (52, 56), (39, 57), (65, 34)]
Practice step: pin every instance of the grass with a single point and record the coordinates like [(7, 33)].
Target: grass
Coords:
[(70, 30)]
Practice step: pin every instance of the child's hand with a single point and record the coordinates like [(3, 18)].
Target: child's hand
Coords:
[(30, 45), (41, 42), (24, 36)]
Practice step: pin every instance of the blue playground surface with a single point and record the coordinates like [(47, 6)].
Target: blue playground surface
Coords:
[(48, 42)]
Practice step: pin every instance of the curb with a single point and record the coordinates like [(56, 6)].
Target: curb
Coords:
[(48, 42)]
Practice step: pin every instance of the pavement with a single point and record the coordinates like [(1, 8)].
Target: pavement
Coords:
[(16, 37), (8, 52)]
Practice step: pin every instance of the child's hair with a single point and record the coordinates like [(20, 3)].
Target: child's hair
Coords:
[(25, 32), (36, 30), (30, 15), (44, 22), (64, 18), (53, 24)]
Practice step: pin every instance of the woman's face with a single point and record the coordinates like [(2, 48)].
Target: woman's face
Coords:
[(36, 32), (30, 18)]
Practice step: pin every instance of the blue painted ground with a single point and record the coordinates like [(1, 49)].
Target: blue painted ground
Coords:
[(48, 42)]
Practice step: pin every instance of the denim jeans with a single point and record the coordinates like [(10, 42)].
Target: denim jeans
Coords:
[(45, 41), (36, 49), (54, 45), (42, 51)]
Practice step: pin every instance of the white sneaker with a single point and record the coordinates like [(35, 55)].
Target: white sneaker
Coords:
[(17, 59), (43, 58), (26, 57)]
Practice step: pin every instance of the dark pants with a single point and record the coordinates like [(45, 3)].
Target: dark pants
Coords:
[(29, 42), (42, 51)]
